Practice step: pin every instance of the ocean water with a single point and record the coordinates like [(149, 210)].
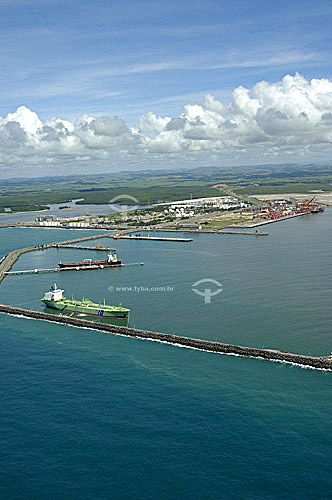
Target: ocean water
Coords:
[(85, 415)]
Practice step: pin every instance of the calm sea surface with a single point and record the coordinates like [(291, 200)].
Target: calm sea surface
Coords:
[(85, 415)]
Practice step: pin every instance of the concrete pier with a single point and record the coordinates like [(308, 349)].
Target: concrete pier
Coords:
[(75, 268), (251, 225), (150, 238), (213, 231), (9, 260), (80, 247), (318, 362), (257, 233)]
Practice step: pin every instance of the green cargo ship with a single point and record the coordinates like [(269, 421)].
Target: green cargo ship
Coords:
[(56, 300)]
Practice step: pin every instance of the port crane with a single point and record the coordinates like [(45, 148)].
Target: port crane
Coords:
[(309, 207)]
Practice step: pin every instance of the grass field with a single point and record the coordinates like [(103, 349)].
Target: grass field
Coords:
[(156, 186)]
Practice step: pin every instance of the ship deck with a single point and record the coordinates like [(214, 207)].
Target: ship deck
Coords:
[(91, 305)]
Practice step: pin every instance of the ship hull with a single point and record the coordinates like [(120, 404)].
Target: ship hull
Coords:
[(91, 310), (317, 210), (114, 320), (103, 263)]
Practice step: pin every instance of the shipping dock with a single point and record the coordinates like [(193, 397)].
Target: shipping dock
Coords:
[(76, 268), (271, 221), (150, 238), (256, 233), (7, 261), (80, 247), (278, 210)]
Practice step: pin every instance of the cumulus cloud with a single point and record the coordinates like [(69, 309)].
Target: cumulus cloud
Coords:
[(290, 117), (152, 124)]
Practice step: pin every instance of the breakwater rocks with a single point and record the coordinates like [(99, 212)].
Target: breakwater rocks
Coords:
[(323, 362), (10, 258), (7, 262)]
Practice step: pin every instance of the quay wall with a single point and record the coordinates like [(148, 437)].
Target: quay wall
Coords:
[(323, 362), (150, 238), (211, 231), (265, 222)]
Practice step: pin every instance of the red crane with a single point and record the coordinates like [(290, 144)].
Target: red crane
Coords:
[(307, 205)]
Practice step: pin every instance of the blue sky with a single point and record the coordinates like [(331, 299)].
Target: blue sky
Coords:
[(129, 58), (64, 58)]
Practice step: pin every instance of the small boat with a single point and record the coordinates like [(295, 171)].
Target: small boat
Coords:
[(112, 260)]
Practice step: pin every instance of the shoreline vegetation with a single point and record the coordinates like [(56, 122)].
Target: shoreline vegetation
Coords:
[(25, 195)]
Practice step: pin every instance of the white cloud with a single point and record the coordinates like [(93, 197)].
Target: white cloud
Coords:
[(152, 124), (290, 117), (27, 119)]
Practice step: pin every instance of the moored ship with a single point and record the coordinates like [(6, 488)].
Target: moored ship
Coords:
[(317, 210), (56, 300), (112, 260)]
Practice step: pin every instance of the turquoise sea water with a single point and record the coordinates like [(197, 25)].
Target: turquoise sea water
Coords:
[(88, 415)]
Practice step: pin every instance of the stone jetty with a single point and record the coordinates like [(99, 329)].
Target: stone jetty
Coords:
[(318, 362)]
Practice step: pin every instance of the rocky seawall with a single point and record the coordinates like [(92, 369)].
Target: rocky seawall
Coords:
[(318, 362)]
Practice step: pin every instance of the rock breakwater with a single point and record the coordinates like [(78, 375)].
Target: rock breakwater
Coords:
[(318, 362)]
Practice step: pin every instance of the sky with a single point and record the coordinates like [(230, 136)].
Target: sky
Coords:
[(105, 85)]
